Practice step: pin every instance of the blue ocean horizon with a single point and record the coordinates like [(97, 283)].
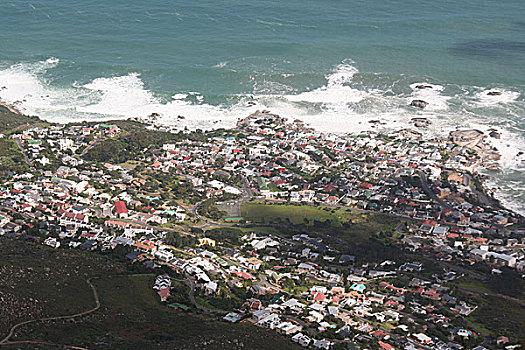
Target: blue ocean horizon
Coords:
[(335, 64)]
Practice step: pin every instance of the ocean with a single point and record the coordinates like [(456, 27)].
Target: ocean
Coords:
[(334, 64)]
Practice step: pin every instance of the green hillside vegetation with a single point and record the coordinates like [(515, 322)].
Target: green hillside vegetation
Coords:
[(11, 157), (130, 317), (10, 120)]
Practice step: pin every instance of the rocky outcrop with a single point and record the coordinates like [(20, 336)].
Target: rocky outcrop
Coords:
[(471, 138), (410, 134), (494, 93), (265, 117), (419, 104), (422, 86), (494, 134), (420, 122), (475, 140)]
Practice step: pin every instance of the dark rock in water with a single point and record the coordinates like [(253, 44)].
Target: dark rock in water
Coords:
[(181, 117), (420, 122), (495, 134), (419, 104), (374, 121), (519, 154), (251, 103), (154, 115), (423, 86), (494, 93)]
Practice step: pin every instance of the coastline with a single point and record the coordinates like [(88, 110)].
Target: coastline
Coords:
[(157, 122), (11, 108)]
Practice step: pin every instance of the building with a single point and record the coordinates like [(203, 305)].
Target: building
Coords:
[(121, 210)]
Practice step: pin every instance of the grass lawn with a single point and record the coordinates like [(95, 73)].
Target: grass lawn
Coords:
[(350, 226), (296, 214), (130, 164)]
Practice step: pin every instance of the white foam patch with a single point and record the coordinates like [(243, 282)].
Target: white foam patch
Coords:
[(433, 95), (120, 96), (506, 96), (179, 96), (337, 93), (221, 64), (21, 85)]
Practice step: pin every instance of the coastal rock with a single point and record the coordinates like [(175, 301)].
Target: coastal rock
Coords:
[(154, 115), (494, 93), (494, 166), (263, 117), (422, 86), (466, 137), (419, 104), (472, 139), (420, 122), (475, 141), (490, 156), (495, 134), (181, 117), (251, 103), (410, 134)]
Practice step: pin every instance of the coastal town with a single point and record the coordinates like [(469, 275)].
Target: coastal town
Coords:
[(375, 240)]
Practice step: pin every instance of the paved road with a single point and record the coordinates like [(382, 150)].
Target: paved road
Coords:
[(482, 197), (90, 146), (24, 152), (97, 306), (266, 284), (191, 283), (431, 194), (247, 195)]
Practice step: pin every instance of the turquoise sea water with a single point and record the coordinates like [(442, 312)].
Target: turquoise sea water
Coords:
[(335, 64)]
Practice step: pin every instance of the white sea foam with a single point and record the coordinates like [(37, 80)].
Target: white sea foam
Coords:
[(221, 64), (52, 60), (433, 95), (337, 93), (119, 96), (179, 96), (506, 96)]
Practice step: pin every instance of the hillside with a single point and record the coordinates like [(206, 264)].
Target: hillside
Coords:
[(10, 120)]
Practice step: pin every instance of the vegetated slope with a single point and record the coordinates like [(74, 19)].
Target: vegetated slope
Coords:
[(10, 120), (40, 282)]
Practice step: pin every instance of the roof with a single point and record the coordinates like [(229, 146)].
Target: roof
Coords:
[(120, 207)]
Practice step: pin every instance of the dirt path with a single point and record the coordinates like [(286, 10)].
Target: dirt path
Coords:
[(43, 343), (5, 341)]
